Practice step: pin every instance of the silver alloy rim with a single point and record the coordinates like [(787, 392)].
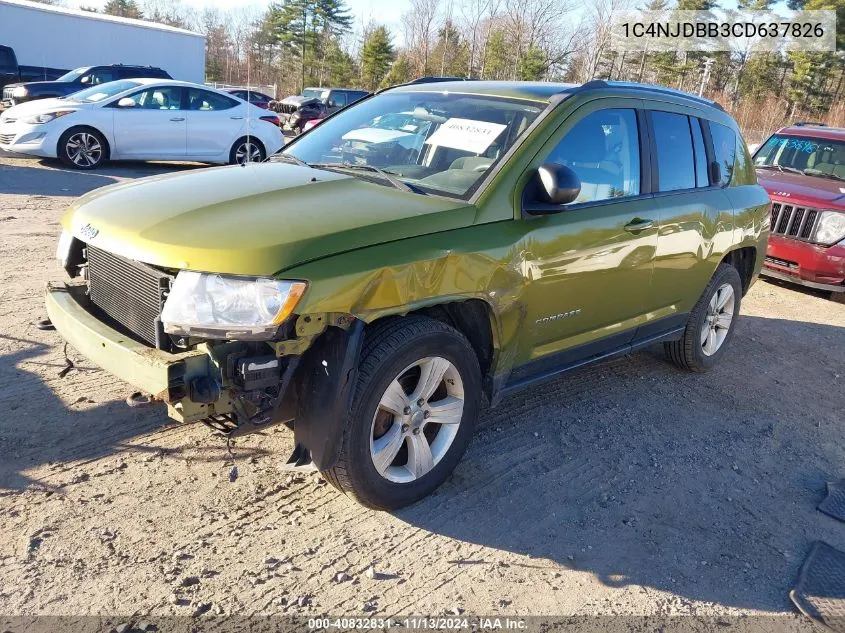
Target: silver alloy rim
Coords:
[(245, 150), (421, 412), (84, 149), (717, 322)]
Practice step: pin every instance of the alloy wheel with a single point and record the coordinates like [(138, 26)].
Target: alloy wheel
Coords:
[(247, 152), (417, 419), (718, 319), (84, 149)]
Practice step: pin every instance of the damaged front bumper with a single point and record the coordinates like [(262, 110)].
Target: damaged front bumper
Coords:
[(314, 391), (167, 377)]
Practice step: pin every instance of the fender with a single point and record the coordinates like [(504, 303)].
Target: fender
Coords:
[(328, 375)]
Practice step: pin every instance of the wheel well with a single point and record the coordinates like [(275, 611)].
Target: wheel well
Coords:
[(473, 319), (75, 128), (252, 138), (743, 259)]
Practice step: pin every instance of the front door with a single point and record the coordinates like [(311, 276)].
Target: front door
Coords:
[(590, 265), (154, 127)]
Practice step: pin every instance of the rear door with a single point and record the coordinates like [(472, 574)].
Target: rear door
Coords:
[(155, 127), (214, 123), (695, 216)]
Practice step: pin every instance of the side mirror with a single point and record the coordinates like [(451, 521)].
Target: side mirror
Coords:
[(557, 184), (126, 102)]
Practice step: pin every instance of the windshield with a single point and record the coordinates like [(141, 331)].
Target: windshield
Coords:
[(440, 142), (806, 155), (103, 91), (314, 93), (73, 74)]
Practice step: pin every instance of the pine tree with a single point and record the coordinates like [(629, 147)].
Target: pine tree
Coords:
[(301, 25), (376, 55), (401, 71), (533, 65), (123, 8)]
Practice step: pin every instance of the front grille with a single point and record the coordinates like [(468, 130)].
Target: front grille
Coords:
[(129, 292), (6, 139), (286, 108), (792, 221), (7, 93)]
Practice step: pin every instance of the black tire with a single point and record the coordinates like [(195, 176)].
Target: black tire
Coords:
[(390, 347), (96, 155), (688, 352), (259, 153)]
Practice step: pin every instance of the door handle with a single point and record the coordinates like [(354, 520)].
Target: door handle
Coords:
[(178, 118), (236, 118), (638, 224)]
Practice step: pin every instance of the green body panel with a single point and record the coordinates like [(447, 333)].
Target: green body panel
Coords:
[(253, 220), (367, 250)]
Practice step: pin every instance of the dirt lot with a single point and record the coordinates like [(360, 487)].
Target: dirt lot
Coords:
[(627, 488)]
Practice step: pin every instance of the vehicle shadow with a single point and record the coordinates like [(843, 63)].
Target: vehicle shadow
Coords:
[(52, 178), (702, 485), (47, 420)]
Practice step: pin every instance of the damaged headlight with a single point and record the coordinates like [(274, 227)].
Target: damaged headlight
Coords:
[(830, 228), (216, 306)]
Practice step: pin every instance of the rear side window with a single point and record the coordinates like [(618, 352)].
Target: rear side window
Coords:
[(724, 151), (701, 177), (203, 100), (675, 156), (603, 149)]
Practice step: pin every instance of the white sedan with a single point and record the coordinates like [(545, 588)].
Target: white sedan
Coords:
[(142, 119)]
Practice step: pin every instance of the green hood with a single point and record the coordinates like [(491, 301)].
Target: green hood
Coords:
[(255, 220)]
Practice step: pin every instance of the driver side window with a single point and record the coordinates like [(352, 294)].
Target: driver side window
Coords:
[(603, 149)]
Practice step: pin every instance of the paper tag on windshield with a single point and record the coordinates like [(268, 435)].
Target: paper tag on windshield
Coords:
[(466, 134)]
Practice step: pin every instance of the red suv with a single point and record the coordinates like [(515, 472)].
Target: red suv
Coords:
[(803, 169)]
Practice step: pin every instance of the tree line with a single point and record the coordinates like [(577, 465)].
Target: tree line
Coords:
[(297, 43)]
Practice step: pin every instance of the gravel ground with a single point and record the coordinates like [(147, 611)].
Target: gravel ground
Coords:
[(625, 488)]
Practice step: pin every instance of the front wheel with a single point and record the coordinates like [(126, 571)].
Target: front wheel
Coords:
[(412, 415), (82, 148), (247, 150), (711, 323)]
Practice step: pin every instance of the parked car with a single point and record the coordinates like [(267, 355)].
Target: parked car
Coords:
[(803, 169), (314, 103), (141, 119), (76, 80), (370, 306), (251, 96), (12, 73)]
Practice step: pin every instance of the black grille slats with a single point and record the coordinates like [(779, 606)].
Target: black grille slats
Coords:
[(791, 221), (129, 292)]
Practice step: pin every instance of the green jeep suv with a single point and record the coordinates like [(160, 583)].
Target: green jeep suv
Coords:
[(372, 285)]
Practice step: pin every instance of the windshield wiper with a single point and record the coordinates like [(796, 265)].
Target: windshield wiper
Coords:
[(820, 174), (782, 168), (291, 158), (391, 178)]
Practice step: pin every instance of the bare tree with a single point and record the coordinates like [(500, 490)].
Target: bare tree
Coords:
[(420, 29)]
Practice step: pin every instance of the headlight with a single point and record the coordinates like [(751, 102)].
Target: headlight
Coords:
[(215, 306), (47, 117), (830, 228), (20, 91), (63, 248)]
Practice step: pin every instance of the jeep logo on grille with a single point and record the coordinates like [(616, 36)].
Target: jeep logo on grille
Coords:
[(88, 232)]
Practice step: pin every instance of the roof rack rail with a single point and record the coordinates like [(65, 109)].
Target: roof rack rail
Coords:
[(602, 84), (809, 123)]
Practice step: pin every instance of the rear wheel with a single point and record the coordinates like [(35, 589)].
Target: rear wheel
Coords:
[(711, 324), (82, 148), (412, 416), (247, 150)]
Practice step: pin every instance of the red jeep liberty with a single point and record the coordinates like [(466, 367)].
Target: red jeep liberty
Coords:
[(803, 169)]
